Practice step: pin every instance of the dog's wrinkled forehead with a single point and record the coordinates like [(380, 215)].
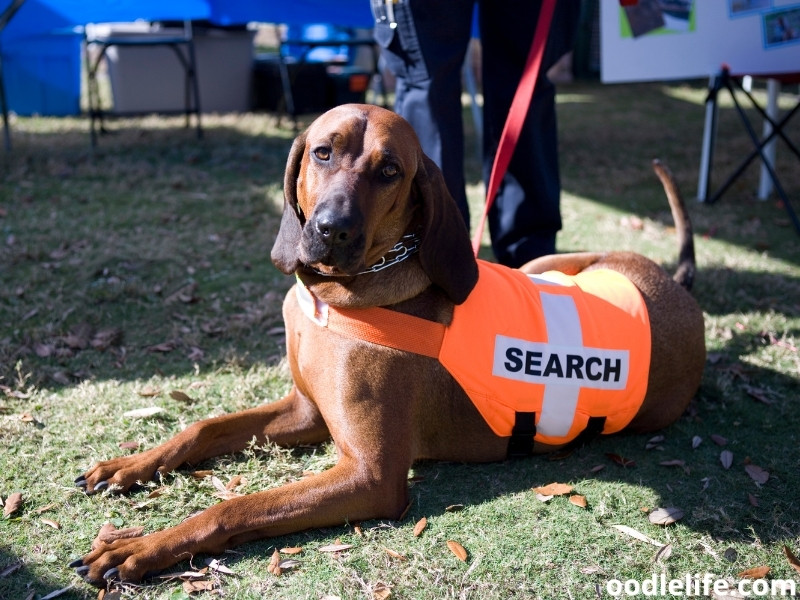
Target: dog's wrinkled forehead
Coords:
[(365, 130)]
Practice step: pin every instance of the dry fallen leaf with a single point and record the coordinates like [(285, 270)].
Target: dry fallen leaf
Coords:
[(578, 500), (197, 586), (793, 561), (458, 550), (420, 526), (217, 483), (11, 569), (663, 553), (289, 563), (160, 491), (108, 533), (543, 498), (394, 554), (335, 547), (597, 468), (696, 441), (719, 440), (553, 489), (381, 591), (637, 535), (757, 474), (754, 573), (759, 394), (274, 564), (215, 565), (665, 516), (105, 529), (43, 350), (621, 460), (292, 550), (454, 508), (202, 474), (181, 397), (752, 500), (143, 413), (676, 462), (51, 523), (235, 482), (149, 392), (42, 509), (51, 595), (163, 347), (105, 338), (591, 570), (726, 458), (13, 504), (184, 574)]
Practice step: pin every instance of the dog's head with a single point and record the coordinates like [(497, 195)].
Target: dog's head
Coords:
[(356, 182)]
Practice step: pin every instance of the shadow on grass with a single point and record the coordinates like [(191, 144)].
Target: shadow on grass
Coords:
[(19, 580)]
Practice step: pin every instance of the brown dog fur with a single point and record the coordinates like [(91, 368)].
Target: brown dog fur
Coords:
[(356, 181)]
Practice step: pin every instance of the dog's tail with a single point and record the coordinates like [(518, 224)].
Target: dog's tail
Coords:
[(684, 274)]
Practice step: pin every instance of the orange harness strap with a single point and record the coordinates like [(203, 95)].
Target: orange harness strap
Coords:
[(375, 324), (389, 328)]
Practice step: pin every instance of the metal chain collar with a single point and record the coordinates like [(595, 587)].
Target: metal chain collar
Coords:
[(405, 248)]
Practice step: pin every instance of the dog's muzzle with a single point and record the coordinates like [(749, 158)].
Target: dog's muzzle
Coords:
[(334, 239)]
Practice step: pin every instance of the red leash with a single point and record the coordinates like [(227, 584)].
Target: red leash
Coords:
[(516, 114)]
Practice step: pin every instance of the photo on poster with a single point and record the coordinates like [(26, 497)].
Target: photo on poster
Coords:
[(743, 8), (647, 17), (781, 27)]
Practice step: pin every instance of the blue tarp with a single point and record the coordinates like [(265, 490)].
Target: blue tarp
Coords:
[(349, 13), (54, 17), (48, 17), (41, 44)]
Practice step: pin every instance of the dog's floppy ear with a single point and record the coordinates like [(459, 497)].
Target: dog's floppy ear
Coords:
[(445, 250), (284, 251)]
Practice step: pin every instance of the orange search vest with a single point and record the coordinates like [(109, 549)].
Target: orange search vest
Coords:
[(565, 350)]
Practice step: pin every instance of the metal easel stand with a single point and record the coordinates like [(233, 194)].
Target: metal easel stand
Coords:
[(773, 129)]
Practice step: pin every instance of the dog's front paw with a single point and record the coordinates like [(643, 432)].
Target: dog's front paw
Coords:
[(120, 474), (123, 560)]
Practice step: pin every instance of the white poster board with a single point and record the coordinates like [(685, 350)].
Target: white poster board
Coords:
[(651, 40)]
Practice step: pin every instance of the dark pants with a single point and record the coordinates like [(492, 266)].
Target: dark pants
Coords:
[(425, 52)]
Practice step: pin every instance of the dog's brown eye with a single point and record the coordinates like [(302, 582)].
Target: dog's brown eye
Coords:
[(322, 153), (389, 171)]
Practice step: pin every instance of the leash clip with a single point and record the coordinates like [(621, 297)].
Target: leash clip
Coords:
[(383, 11)]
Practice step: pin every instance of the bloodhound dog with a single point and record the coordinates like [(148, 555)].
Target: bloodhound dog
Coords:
[(379, 251)]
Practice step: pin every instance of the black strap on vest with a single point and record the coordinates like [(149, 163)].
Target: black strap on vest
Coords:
[(521, 441), (593, 428)]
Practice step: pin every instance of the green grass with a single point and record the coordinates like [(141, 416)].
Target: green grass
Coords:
[(143, 267)]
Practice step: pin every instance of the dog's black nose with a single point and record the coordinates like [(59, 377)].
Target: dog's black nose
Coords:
[(334, 228)]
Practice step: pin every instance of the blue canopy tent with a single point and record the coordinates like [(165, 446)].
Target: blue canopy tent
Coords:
[(40, 46), (350, 13)]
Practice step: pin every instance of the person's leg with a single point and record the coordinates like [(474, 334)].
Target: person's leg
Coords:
[(425, 53), (525, 216)]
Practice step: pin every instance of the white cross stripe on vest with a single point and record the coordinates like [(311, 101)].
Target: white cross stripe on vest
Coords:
[(563, 364)]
